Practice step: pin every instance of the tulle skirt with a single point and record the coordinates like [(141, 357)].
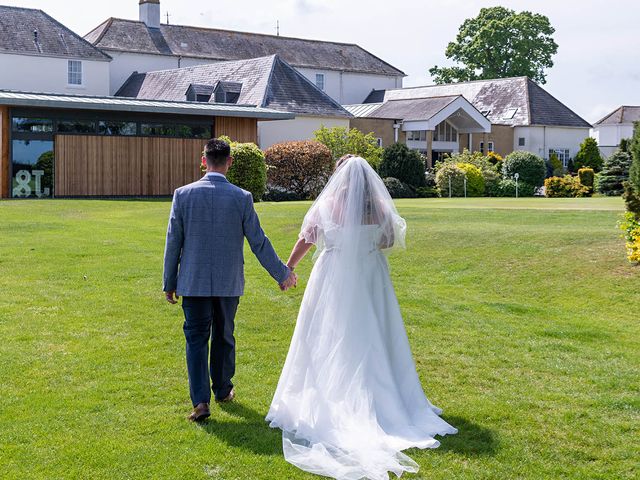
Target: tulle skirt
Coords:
[(349, 399)]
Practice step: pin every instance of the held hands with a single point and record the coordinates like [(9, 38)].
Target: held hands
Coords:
[(291, 281)]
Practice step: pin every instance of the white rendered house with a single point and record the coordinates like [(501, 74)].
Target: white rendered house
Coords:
[(614, 127), (38, 54), (346, 72)]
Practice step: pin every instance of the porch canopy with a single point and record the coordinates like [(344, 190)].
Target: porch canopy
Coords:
[(427, 113)]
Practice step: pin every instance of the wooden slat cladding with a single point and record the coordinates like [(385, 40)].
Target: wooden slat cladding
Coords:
[(124, 166), (238, 129), (4, 152)]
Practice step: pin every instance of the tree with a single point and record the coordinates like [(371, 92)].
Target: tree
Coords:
[(342, 140), (500, 43), (614, 173), (589, 155), (398, 161), (634, 148), (530, 168)]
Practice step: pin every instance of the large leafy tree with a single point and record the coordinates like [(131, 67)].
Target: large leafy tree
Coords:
[(500, 43)]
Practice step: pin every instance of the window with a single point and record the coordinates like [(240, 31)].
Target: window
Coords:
[(320, 81), (170, 130), (521, 142), (76, 126), (562, 154), (116, 128), (417, 135), (32, 125), (489, 144), (32, 168), (445, 132), (509, 113), (74, 72)]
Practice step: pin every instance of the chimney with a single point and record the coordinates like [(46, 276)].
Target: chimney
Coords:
[(150, 13)]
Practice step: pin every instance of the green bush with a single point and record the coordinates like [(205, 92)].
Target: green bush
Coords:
[(530, 167), (507, 188), (398, 161), (302, 168), (631, 199), (586, 176), (475, 158), (589, 155), (342, 140), (555, 166), (567, 187), (475, 180), (249, 170), (614, 173), (492, 181), (634, 171), (451, 171), (397, 189)]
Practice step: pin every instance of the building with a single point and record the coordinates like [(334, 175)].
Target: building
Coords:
[(37, 53), (346, 72), (267, 82), (614, 127), (522, 114), (82, 146), (434, 126)]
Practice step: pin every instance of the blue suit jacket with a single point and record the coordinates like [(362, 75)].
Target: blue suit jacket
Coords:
[(203, 255)]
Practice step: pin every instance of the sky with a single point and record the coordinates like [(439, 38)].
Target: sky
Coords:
[(595, 70)]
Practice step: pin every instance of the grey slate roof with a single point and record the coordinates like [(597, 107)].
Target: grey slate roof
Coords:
[(623, 114), (267, 82), (17, 27), (413, 109), (214, 44), (508, 101)]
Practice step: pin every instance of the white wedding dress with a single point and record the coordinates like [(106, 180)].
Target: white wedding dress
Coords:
[(349, 399)]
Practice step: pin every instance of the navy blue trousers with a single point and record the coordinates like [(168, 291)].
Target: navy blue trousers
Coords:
[(210, 318)]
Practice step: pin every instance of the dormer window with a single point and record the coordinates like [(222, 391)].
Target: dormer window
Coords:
[(227, 92), (199, 93)]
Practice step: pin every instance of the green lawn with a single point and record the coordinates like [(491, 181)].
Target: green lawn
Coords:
[(522, 316)]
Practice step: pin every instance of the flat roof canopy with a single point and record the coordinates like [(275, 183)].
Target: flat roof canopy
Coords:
[(122, 104)]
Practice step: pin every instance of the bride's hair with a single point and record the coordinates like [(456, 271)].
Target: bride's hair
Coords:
[(343, 159)]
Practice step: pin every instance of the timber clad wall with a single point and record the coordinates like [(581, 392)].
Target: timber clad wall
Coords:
[(4, 152), (114, 166), (238, 129)]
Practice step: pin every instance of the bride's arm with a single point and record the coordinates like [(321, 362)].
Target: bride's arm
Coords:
[(300, 249)]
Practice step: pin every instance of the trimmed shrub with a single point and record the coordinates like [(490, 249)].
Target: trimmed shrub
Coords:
[(450, 171), (630, 227), (496, 160), (507, 188), (249, 170), (277, 194), (530, 167), (342, 140), (586, 176), (589, 155), (614, 173), (492, 181), (475, 180), (634, 171), (398, 161), (397, 189), (301, 167), (565, 187)]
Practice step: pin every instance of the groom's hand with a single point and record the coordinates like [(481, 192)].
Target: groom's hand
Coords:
[(170, 296), (291, 281)]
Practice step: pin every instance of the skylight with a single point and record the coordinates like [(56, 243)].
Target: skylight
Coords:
[(509, 113)]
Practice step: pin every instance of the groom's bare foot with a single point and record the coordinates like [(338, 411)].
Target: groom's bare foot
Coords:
[(200, 412), (228, 398)]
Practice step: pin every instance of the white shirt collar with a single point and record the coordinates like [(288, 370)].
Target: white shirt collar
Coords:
[(215, 174)]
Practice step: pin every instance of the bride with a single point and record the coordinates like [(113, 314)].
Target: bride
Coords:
[(349, 399)]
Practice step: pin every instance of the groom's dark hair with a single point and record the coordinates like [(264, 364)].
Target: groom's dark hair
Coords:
[(216, 152)]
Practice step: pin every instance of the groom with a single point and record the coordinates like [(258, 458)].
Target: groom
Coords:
[(203, 263)]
